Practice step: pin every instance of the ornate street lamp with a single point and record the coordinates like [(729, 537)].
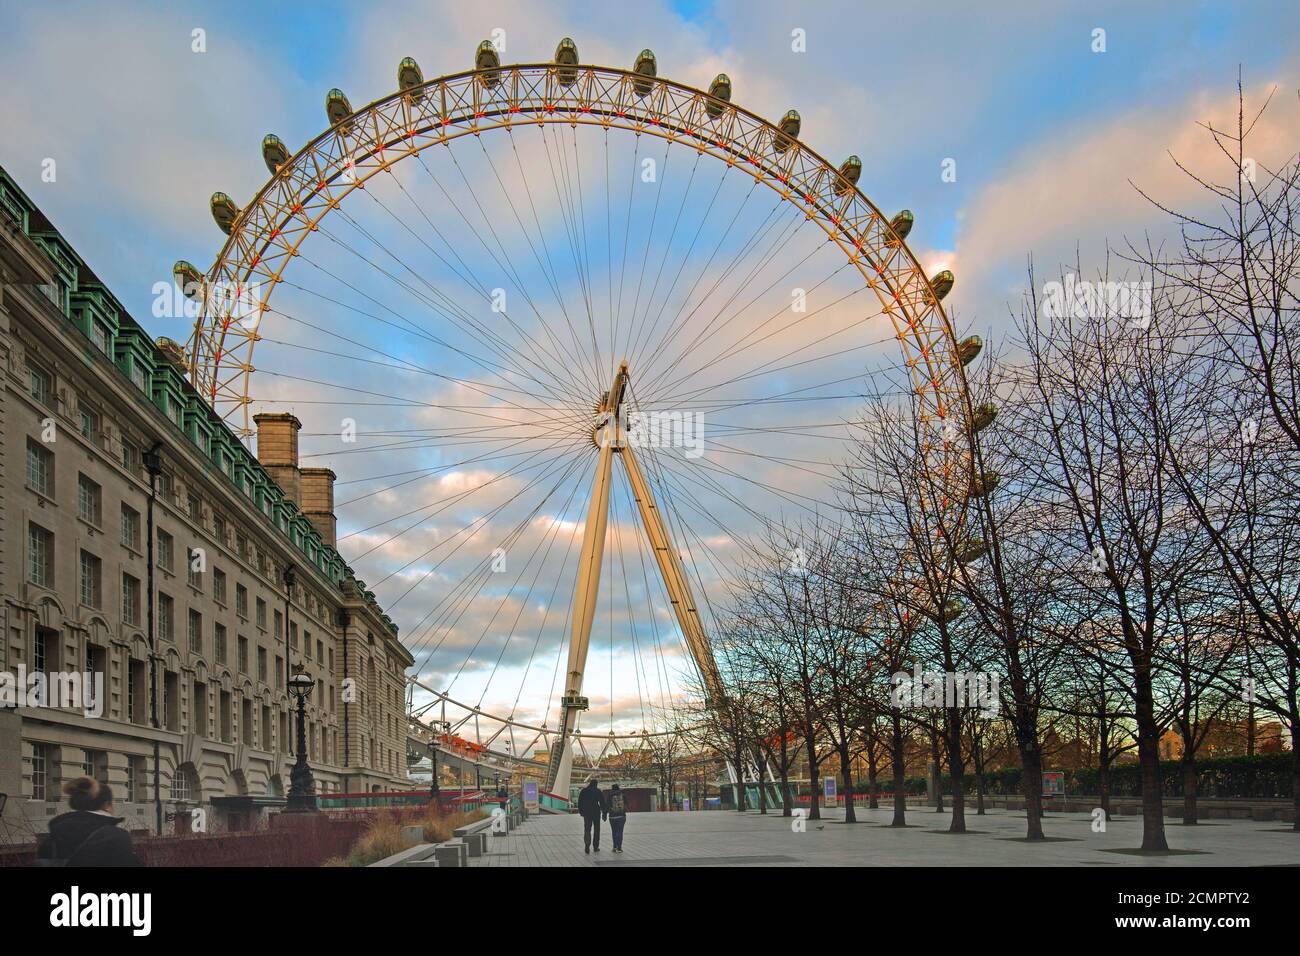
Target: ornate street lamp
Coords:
[(302, 786)]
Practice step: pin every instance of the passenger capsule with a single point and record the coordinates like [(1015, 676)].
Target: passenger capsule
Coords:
[(984, 484), (984, 416), (274, 153), (968, 348), (224, 212), (900, 226), (566, 55), (409, 76), (188, 278), (788, 131), (719, 92), (973, 551), (488, 61), (941, 284), (646, 66), (850, 170), (337, 107)]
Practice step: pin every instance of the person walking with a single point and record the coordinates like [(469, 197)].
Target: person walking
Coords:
[(87, 835), (591, 804), (616, 812)]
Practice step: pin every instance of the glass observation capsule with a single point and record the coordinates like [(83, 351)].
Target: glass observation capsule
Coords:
[(337, 107), (488, 61), (719, 93), (788, 131), (274, 153), (224, 212), (566, 55), (645, 66)]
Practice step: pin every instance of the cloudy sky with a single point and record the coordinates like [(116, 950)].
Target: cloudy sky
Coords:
[(471, 435)]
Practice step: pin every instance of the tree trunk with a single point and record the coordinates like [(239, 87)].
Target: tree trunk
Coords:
[(1031, 786), (846, 770), (740, 782), (762, 784), (1189, 786), (814, 782), (957, 771), (979, 776), (936, 773), (900, 775), (1153, 818), (873, 801), (785, 778)]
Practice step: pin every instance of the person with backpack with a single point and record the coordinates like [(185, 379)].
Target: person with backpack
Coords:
[(591, 805), (87, 835), (616, 813)]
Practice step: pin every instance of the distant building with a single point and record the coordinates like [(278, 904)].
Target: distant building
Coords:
[(86, 392)]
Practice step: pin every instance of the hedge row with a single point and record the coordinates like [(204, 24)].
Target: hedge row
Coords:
[(1260, 776)]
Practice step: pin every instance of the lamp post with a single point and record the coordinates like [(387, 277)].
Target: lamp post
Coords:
[(302, 786), (153, 465), (290, 576)]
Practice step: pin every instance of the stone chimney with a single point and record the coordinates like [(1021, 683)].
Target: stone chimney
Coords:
[(318, 502), (277, 450)]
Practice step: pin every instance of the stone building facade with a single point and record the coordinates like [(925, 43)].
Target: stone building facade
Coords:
[(86, 394)]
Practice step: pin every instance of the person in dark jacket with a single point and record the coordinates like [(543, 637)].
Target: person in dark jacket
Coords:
[(88, 835), (591, 804), (616, 813)]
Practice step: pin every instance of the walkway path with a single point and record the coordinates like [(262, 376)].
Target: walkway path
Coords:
[(722, 838)]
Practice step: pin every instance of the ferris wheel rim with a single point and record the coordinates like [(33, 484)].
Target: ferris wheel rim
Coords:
[(207, 373)]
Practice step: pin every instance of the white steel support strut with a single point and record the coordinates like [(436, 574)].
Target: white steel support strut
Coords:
[(588, 586), (611, 437), (674, 575)]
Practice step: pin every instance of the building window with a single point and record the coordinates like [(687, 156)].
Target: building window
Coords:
[(243, 655), (42, 761), (165, 546), (99, 335), (293, 635), (90, 579), (195, 632), (138, 377), (219, 529), (165, 608), (90, 499), (181, 791), (135, 777), (171, 701), (130, 528), (194, 568), (95, 765), (241, 601), (40, 650), (261, 614), (40, 383), (261, 664), (40, 556), (219, 643), (40, 468), (219, 586), (135, 692), (131, 600), (90, 422), (196, 509), (130, 456), (200, 708)]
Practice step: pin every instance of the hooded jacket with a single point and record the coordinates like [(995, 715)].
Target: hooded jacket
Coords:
[(84, 838)]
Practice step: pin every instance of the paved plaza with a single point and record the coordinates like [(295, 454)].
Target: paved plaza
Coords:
[(721, 838)]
